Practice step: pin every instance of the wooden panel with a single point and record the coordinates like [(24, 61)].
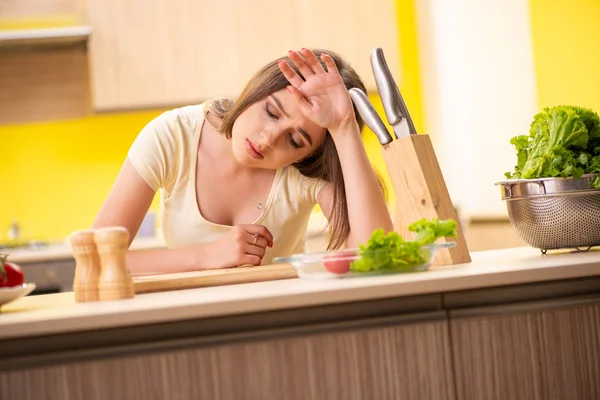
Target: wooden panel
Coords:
[(175, 52), (550, 355), (403, 362), (43, 84)]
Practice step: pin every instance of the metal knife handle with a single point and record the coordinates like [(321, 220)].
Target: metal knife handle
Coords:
[(393, 103), (369, 115)]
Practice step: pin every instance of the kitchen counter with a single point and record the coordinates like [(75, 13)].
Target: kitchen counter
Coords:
[(480, 318), (488, 269)]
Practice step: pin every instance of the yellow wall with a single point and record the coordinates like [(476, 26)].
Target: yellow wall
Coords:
[(55, 175), (566, 50)]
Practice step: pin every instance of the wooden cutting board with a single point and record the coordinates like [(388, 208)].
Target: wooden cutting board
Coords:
[(215, 277)]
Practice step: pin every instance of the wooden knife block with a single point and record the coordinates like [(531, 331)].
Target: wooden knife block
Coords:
[(421, 192)]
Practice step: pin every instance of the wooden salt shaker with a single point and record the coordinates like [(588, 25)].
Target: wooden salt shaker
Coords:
[(115, 281), (87, 265)]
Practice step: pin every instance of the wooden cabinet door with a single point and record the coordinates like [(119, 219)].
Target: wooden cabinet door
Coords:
[(549, 354), (409, 362), (177, 52)]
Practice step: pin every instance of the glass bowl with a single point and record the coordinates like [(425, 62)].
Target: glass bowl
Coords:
[(340, 263)]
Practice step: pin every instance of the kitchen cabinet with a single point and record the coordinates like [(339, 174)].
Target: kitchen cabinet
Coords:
[(44, 84), (513, 324), (548, 354), (392, 362), (43, 61), (177, 52)]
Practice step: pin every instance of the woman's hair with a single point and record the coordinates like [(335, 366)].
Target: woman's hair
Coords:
[(324, 162)]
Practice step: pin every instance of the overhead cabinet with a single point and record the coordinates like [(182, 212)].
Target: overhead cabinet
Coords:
[(176, 52)]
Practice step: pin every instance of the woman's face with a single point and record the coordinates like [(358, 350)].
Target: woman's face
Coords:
[(273, 133)]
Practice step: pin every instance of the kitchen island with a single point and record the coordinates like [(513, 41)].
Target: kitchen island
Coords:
[(512, 324)]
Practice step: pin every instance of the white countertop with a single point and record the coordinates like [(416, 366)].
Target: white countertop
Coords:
[(47, 314)]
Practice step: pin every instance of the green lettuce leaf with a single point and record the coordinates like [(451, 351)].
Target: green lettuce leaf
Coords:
[(562, 142), (521, 143), (391, 252), (429, 231)]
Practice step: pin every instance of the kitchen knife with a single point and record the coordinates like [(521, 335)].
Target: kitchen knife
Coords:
[(396, 111), (370, 116)]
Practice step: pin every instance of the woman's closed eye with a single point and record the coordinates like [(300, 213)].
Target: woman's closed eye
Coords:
[(269, 113), (295, 144), (293, 141)]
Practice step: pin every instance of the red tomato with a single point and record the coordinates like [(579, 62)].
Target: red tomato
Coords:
[(336, 264), (10, 273)]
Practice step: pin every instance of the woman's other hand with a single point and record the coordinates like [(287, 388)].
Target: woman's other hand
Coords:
[(242, 245), (322, 95)]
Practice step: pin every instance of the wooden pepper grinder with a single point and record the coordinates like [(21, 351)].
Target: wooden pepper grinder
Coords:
[(115, 281), (87, 265)]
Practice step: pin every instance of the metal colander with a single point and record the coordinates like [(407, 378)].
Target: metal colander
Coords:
[(554, 213)]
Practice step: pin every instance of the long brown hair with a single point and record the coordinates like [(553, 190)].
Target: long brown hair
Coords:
[(324, 162)]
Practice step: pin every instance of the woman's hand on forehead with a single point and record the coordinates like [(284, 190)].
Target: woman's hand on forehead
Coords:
[(322, 96)]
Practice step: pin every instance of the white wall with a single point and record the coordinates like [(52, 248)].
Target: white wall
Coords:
[(479, 90)]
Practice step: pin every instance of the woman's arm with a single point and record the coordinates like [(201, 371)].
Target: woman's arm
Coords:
[(367, 209), (126, 205)]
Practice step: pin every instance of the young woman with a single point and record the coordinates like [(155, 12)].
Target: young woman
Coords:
[(239, 180)]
